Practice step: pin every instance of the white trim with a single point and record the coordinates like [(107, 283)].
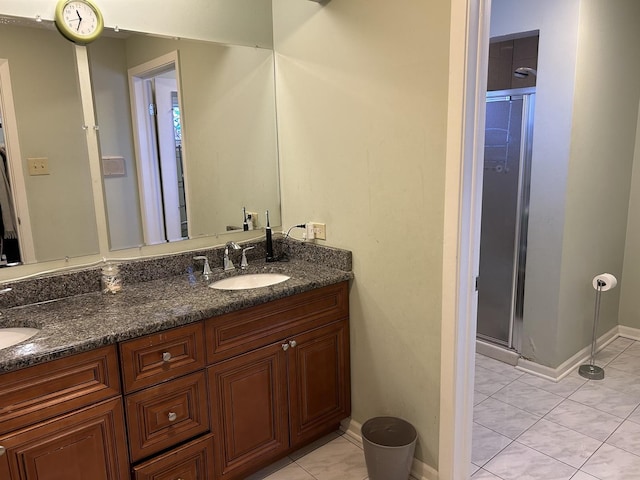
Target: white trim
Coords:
[(558, 373), (419, 470), (501, 354), (629, 332), (93, 148), (16, 173), (468, 59)]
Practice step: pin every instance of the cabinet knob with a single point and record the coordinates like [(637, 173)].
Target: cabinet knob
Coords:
[(293, 343), (285, 346), (2, 450), (166, 356), (172, 416)]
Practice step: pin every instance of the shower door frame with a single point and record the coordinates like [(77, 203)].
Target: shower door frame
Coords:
[(516, 319)]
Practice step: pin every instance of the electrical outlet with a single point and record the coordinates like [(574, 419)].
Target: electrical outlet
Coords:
[(319, 230), (254, 218), (38, 166), (309, 234)]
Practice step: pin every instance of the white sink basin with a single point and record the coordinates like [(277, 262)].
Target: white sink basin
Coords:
[(11, 336), (254, 280)]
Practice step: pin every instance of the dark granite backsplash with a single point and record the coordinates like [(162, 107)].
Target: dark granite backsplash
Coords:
[(69, 284)]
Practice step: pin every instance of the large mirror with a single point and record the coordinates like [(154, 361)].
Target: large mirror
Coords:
[(222, 102), (217, 102)]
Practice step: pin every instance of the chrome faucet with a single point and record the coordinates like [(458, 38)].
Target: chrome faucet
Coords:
[(227, 262), (206, 271), (244, 264)]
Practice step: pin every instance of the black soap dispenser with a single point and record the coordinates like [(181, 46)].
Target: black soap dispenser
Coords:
[(269, 243)]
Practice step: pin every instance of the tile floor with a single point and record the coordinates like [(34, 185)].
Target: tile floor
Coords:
[(527, 428), (334, 457)]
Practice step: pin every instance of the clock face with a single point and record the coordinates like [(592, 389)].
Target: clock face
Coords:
[(79, 20)]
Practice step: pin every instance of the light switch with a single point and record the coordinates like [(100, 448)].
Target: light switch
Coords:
[(38, 166)]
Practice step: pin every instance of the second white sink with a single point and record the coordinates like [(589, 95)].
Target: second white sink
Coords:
[(12, 336), (254, 280)]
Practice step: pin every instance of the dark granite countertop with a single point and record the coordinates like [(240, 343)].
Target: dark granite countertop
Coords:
[(83, 322)]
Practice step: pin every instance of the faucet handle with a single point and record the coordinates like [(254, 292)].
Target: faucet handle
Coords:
[(206, 271), (244, 263)]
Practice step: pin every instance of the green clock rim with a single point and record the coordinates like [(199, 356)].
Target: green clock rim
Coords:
[(71, 35)]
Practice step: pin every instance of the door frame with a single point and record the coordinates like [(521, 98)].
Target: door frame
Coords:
[(468, 63), (15, 170)]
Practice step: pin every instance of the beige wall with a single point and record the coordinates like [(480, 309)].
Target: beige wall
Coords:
[(602, 152), (49, 117), (362, 111), (629, 314)]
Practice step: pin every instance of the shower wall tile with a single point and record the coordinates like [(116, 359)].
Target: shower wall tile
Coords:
[(484, 475)]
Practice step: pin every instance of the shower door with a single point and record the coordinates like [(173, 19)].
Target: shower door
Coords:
[(505, 202)]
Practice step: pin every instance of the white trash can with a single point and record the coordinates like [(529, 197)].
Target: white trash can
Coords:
[(389, 443)]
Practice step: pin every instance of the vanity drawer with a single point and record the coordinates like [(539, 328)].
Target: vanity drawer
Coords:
[(162, 356), (193, 461), (163, 416), (244, 330), (44, 391)]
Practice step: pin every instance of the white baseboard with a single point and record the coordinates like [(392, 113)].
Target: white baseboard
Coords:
[(558, 373), (629, 332), (501, 354), (419, 470)]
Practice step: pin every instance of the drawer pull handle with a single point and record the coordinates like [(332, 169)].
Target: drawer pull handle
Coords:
[(2, 450), (166, 356), (285, 346), (172, 416), (293, 343)]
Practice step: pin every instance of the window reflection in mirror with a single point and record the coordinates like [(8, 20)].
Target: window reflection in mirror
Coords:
[(58, 205), (226, 96)]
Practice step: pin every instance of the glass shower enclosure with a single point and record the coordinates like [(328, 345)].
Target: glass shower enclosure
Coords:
[(505, 205)]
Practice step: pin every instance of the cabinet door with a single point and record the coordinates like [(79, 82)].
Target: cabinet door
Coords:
[(319, 381), (249, 401), (87, 444)]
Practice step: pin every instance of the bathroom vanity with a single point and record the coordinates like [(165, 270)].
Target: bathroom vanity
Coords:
[(170, 379)]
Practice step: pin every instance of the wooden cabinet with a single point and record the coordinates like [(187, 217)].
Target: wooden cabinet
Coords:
[(64, 419), (275, 398), (193, 461)]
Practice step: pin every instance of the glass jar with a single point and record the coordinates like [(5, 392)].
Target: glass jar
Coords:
[(111, 279)]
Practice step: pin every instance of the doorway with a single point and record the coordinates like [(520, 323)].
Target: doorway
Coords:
[(505, 205), (159, 155)]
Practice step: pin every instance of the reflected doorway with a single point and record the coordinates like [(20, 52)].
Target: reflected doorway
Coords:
[(159, 156)]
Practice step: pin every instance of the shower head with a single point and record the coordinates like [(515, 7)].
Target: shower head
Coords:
[(524, 72)]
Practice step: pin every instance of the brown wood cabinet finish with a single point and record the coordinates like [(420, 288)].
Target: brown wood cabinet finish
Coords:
[(162, 416), (249, 401), (270, 400), (162, 356), (238, 332), (43, 391), (87, 444), (319, 382), (193, 461)]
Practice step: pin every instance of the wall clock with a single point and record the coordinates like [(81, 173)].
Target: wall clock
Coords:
[(79, 20)]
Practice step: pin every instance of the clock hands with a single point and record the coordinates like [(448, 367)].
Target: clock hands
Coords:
[(79, 20)]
